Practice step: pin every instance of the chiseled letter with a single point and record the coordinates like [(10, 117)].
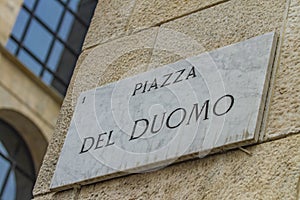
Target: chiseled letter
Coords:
[(137, 87), (84, 143), (153, 123), (179, 75), (229, 108), (134, 128), (179, 123), (100, 140), (197, 114), (191, 73), (165, 83), (153, 85), (109, 138)]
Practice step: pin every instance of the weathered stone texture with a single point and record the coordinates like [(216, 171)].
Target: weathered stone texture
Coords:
[(46, 172), (272, 172), (116, 59), (109, 21), (8, 13), (284, 116), (68, 194), (20, 83), (218, 26), (149, 13)]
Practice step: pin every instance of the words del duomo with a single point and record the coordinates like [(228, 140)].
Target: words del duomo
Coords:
[(184, 115)]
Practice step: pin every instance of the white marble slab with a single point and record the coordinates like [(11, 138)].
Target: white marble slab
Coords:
[(225, 87)]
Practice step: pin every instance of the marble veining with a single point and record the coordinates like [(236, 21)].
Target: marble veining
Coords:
[(193, 106)]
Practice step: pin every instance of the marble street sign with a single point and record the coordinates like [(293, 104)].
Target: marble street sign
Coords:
[(185, 109)]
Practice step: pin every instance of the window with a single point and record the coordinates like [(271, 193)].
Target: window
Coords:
[(17, 173), (48, 35)]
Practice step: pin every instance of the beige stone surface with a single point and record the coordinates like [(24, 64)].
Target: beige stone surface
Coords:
[(114, 60), (100, 65), (34, 131), (55, 145), (272, 172), (9, 102), (8, 13), (284, 116), (22, 92), (68, 194), (217, 26), (149, 13), (172, 45), (47, 169), (27, 105), (20, 85), (109, 21)]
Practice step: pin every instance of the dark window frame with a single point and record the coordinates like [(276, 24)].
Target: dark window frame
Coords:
[(11, 158), (45, 68)]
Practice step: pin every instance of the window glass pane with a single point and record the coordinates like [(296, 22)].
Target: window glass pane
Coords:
[(73, 4), (65, 28), (29, 3), (55, 56), (77, 33), (8, 139), (59, 86), (10, 189), (20, 24), (66, 66), (38, 40), (30, 63), (64, 71), (24, 186), (47, 77), (86, 10), (19, 182), (49, 11), (11, 46), (23, 159), (4, 167), (3, 150)]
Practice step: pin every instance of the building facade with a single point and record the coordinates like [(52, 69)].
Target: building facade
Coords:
[(38, 52), (28, 110), (130, 37)]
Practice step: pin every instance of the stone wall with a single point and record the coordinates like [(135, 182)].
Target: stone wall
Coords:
[(160, 32), (27, 104), (8, 13)]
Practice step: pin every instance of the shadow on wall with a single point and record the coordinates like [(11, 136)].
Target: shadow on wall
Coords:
[(298, 189), (31, 134)]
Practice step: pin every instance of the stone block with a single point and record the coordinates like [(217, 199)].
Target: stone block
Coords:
[(215, 27), (114, 60), (109, 21), (150, 13), (284, 116), (271, 172), (47, 169), (8, 13), (67, 194), (21, 82)]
